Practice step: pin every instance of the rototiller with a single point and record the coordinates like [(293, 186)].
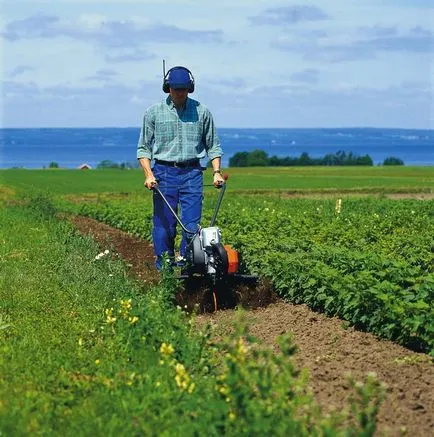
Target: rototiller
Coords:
[(206, 254)]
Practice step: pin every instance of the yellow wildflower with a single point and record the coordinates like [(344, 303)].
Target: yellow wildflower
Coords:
[(241, 351), (182, 378), (125, 309), (166, 350), (110, 319), (133, 320), (224, 390)]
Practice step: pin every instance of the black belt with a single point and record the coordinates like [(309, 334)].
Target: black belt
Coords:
[(183, 164)]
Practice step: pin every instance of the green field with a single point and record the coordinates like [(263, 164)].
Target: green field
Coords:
[(293, 179), (370, 264), (87, 351)]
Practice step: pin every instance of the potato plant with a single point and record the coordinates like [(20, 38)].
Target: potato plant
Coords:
[(369, 261)]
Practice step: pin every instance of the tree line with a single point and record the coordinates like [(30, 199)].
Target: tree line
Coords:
[(260, 158)]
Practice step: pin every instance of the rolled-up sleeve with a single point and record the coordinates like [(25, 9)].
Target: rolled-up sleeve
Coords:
[(146, 139), (210, 137)]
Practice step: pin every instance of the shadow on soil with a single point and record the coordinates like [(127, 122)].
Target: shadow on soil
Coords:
[(196, 293)]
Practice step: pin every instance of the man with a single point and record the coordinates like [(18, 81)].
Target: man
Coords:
[(176, 134)]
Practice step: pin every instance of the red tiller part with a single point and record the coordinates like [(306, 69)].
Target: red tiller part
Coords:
[(232, 259)]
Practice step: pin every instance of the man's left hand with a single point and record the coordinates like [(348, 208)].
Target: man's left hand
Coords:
[(218, 179)]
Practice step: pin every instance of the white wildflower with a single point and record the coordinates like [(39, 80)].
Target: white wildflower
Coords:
[(100, 255)]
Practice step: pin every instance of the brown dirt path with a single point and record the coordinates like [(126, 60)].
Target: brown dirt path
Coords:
[(325, 347), (330, 352)]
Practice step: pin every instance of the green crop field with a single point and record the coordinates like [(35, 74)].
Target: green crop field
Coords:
[(85, 350), (369, 179), (368, 260)]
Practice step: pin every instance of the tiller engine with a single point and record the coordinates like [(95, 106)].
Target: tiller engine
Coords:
[(206, 254)]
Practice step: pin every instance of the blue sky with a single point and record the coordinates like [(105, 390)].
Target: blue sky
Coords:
[(262, 63)]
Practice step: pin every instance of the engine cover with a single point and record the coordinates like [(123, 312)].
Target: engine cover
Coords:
[(207, 254), (210, 236)]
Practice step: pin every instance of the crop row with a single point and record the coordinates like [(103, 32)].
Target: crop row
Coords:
[(86, 351), (369, 261)]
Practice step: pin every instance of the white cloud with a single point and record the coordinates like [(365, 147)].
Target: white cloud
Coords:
[(110, 33), (128, 55), (92, 21), (289, 15), (103, 75), (136, 100), (361, 43), (308, 76), (19, 70)]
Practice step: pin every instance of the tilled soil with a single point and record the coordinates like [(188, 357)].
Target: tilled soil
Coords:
[(325, 347)]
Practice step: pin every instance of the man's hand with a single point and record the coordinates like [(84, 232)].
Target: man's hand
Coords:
[(150, 181), (218, 180)]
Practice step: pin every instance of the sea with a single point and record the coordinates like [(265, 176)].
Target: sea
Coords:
[(71, 147)]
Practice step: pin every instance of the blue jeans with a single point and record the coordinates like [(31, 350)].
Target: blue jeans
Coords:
[(181, 187)]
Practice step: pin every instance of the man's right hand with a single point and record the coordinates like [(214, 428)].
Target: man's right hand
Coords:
[(150, 181)]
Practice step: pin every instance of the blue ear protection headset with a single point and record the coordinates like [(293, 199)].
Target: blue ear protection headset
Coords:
[(166, 85)]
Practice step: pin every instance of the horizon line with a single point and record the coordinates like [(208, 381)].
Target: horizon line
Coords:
[(221, 127)]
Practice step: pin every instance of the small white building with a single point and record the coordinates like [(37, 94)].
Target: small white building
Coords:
[(84, 166)]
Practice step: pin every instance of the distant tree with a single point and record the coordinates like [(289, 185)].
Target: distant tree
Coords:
[(129, 165), (239, 159), (274, 161), (304, 159), (329, 159), (364, 160), (339, 157), (342, 158), (107, 164), (53, 164), (257, 158), (391, 160)]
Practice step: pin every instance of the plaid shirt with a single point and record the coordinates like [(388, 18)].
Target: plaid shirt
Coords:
[(171, 135)]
